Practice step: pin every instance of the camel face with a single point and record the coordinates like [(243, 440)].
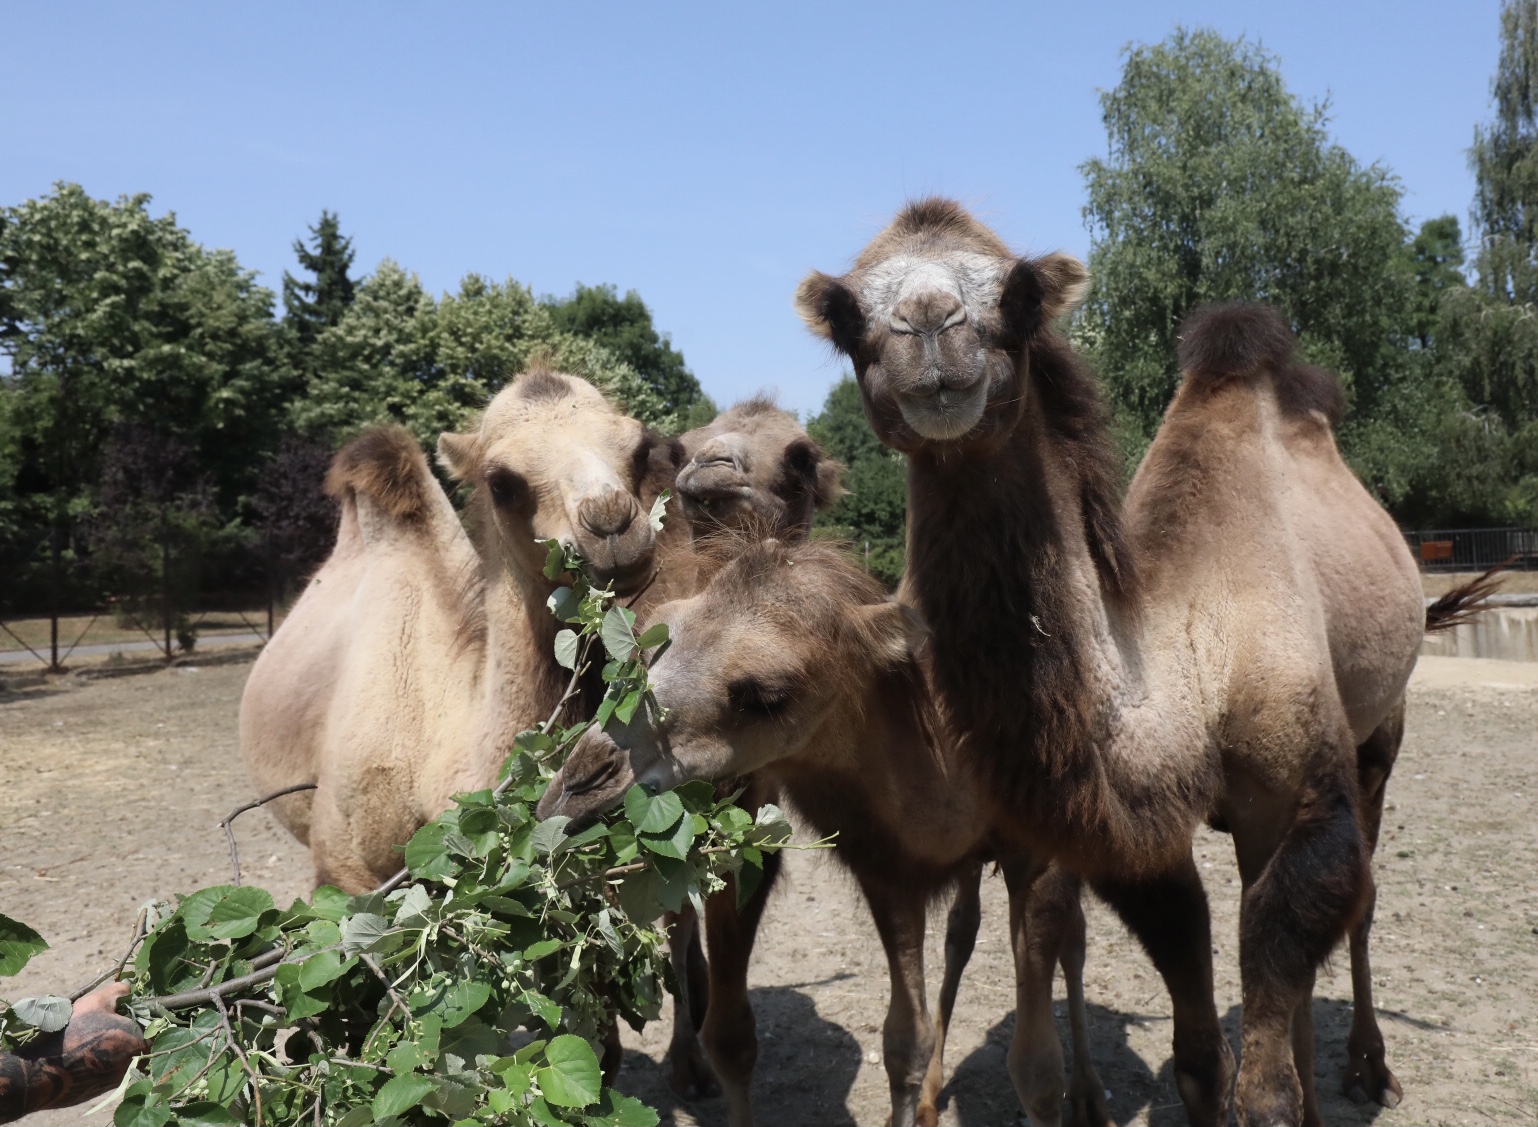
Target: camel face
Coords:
[(933, 316), (783, 639), (555, 461), (755, 468)]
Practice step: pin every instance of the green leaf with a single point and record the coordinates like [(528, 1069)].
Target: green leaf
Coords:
[(329, 903), (571, 1077), (320, 969), (400, 1094), (455, 1003), (236, 914), (618, 633), (655, 635), (50, 1013), (555, 559), (426, 855), (549, 834), (615, 1110), (659, 510), (299, 1002), (637, 802), (567, 645), (362, 931), (547, 1011), (194, 910), (544, 947), (18, 943), (662, 813), (142, 1107), (671, 843), (204, 1114), (565, 604), (625, 709)]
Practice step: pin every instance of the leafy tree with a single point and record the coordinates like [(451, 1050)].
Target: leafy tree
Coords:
[(110, 315), (313, 306), (295, 520), (624, 326), (398, 355), (1220, 185), (874, 513), (1437, 258)]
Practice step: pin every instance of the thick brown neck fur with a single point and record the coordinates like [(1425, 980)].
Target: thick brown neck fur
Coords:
[(1017, 563)]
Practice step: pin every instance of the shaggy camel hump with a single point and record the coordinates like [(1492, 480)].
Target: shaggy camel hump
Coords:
[(386, 464), (1245, 341)]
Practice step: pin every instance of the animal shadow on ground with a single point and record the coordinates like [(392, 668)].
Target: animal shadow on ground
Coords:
[(982, 1094), (806, 1069)]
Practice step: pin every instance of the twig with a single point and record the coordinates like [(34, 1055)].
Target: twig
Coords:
[(240, 1054), (267, 970), (350, 1063), (229, 818), (260, 1005), (117, 971)]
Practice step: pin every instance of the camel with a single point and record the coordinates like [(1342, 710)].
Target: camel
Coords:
[(414, 655), (754, 467), (792, 665), (1219, 646)]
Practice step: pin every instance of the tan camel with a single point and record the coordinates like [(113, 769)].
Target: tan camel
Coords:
[(413, 657), (793, 665), (1219, 648)]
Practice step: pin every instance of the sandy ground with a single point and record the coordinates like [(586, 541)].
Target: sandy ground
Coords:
[(110, 792)]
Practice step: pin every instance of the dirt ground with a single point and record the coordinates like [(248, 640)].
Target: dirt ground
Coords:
[(110, 792)]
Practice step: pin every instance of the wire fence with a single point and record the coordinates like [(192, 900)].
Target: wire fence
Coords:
[(1474, 549)]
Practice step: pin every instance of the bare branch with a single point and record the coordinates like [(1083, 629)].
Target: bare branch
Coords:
[(229, 818)]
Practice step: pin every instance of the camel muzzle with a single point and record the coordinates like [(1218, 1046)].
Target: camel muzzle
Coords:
[(595, 777)]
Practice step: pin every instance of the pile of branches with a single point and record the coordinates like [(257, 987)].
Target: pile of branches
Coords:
[(476, 986)]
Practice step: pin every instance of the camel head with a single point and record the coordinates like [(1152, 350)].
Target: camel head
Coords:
[(755, 468), (785, 638), (552, 459), (937, 317)]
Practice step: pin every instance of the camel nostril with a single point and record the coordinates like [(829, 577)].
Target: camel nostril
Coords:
[(608, 514)]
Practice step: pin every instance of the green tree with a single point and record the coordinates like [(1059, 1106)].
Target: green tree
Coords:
[(873, 515), (399, 355), (1437, 260), (313, 306), (109, 315), (624, 326), (1219, 185)]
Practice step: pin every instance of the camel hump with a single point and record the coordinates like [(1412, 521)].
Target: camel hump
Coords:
[(386, 464), (1242, 339)]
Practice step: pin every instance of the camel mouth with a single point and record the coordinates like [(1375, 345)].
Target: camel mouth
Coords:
[(947, 414), (625, 578)]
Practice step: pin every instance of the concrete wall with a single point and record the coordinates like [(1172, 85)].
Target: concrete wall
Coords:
[(1509, 633)]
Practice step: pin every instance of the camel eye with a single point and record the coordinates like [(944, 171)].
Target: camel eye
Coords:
[(508, 489), (755, 698)]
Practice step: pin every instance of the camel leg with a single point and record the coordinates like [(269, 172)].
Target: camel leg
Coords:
[(1086, 1092), (908, 1037), (1168, 914), (1303, 1054), (1036, 929), (1300, 899), (961, 926), (689, 1073), (1367, 1072), (728, 1031)]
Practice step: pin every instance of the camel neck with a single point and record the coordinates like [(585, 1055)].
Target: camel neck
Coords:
[(1040, 672), (521, 679)]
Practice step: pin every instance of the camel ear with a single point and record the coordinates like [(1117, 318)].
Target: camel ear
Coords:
[(890, 631), (832, 311), (1037, 291), (830, 482), (821, 474), (459, 454)]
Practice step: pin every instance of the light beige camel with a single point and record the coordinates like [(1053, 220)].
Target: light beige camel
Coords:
[(1220, 648), (413, 658), (793, 665)]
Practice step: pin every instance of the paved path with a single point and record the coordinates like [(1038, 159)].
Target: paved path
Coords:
[(99, 649)]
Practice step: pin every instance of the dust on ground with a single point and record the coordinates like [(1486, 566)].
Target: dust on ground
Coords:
[(110, 792)]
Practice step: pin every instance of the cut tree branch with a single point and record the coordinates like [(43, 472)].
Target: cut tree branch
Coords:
[(229, 832)]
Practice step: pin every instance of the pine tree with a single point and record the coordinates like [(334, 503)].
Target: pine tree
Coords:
[(317, 305)]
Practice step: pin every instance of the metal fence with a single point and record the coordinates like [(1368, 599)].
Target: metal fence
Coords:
[(1474, 549)]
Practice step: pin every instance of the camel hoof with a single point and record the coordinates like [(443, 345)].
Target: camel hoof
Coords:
[(691, 1078), (1087, 1108), (1369, 1079), (927, 1117)]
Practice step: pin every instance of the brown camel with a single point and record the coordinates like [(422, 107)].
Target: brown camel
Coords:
[(793, 665), (414, 656), (1218, 647)]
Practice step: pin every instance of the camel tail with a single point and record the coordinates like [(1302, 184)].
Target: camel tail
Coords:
[(385, 464), (1465, 603), (1240, 340)]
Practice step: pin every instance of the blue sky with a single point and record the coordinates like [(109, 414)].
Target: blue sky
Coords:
[(706, 155)]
